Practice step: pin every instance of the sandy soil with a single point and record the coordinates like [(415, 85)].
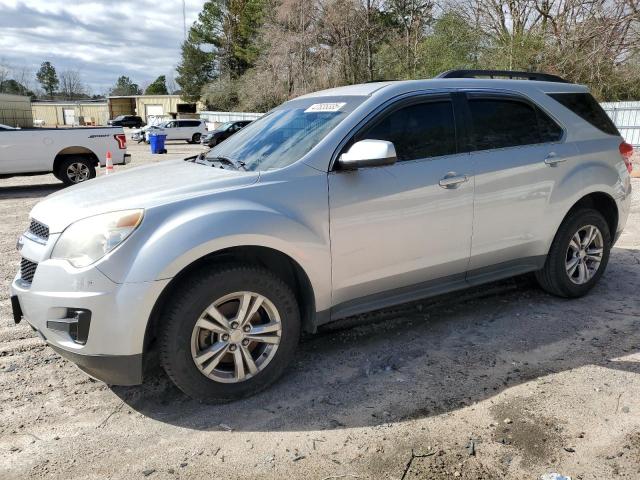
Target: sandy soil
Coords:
[(498, 382)]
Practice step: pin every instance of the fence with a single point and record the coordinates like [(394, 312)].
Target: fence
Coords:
[(626, 116), (214, 119)]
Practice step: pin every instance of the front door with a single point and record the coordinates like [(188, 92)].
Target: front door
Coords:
[(395, 230)]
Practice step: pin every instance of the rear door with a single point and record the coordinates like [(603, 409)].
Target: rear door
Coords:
[(397, 229), (519, 156)]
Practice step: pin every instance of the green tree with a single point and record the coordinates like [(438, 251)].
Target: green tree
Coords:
[(13, 87), (158, 87), (223, 42), (48, 78), (195, 69), (124, 86)]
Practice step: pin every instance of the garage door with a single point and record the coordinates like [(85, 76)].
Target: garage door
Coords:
[(154, 111), (69, 115)]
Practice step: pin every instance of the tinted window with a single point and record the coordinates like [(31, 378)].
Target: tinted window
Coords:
[(585, 106), (418, 131), (550, 131), (500, 123)]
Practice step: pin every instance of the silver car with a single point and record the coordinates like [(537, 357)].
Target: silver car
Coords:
[(334, 203)]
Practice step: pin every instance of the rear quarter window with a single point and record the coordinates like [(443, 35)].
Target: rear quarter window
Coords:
[(587, 108)]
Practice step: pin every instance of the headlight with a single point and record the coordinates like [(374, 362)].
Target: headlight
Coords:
[(88, 240)]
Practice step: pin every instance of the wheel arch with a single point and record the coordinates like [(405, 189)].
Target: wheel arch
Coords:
[(281, 264), (603, 203), (74, 151)]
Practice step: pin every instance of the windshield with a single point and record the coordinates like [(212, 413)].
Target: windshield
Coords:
[(285, 134), (119, 117), (224, 126)]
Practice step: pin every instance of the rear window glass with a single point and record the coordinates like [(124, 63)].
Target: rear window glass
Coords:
[(500, 123), (550, 131), (586, 107)]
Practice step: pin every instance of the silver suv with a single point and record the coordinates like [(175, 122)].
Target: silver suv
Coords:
[(333, 204)]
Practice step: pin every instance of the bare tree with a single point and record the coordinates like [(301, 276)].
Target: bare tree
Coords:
[(5, 72), (71, 86)]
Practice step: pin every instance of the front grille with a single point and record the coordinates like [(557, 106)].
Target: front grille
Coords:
[(27, 270), (39, 230)]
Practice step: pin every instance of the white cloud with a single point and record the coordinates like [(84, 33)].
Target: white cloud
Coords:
[(101, 39)]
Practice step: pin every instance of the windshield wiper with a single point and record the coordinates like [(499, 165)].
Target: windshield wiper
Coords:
[(234, 163)]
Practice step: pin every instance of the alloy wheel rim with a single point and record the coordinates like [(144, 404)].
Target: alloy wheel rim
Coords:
[(584, 254), (236, 337), (78, 172)]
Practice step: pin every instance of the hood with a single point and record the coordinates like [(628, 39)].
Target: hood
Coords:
[(142, 187)]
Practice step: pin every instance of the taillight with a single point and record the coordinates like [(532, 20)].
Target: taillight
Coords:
[(122, 140), (626, 150)]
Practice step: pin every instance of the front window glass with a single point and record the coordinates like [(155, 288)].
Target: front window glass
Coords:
[(286, 134), (422, 130)]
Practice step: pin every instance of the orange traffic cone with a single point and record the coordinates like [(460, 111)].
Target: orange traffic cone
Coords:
[(109, 164)]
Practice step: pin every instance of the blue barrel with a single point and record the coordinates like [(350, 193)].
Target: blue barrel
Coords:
[(156, 140)]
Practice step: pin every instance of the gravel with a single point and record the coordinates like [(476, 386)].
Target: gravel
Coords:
[(458, 367)]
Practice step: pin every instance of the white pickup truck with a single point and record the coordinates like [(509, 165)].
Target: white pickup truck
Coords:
[(71, 154)]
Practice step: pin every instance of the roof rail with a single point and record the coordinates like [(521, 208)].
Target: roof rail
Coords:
[(542, 77)]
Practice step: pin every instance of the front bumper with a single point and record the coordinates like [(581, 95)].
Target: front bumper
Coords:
[(110, 346)]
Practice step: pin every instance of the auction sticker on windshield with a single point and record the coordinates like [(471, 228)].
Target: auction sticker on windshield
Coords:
[(325, 107)]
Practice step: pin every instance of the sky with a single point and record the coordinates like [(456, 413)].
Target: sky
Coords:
[(101, 39)]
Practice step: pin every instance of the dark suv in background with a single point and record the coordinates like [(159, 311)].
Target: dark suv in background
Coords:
[(223, 132), (131, 121)]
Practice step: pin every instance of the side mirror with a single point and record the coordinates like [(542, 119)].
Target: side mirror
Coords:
[(368, 153)]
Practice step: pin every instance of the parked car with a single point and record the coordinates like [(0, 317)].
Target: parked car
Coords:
[(189, 130), (71, 154), (131, 121), (223, 132), (333, 204), (7, 127)]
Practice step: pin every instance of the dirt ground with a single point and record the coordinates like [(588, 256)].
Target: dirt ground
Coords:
[(500, 382)]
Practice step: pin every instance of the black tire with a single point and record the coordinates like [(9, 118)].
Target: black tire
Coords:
[(212, 143), (554, 278), (189, 302), (196, 138), (83, 164)]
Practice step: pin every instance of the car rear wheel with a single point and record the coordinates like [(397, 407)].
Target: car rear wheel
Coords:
[(76, 170), (229, 333), (196, 138), (578, 256)]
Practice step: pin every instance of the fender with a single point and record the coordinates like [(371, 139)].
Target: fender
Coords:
[(585, 179), (184, 237)]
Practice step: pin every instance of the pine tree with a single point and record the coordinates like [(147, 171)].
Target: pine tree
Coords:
[(124, 87), (158, 87), (48, 78)]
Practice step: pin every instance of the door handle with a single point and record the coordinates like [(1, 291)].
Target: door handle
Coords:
[(553, 159), (452, 180)]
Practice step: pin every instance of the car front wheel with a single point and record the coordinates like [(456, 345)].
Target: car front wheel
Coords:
[(578, 256), (229, 333)]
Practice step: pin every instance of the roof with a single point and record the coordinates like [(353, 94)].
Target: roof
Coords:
[(143, 96), (96, 103), (402, 86)]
